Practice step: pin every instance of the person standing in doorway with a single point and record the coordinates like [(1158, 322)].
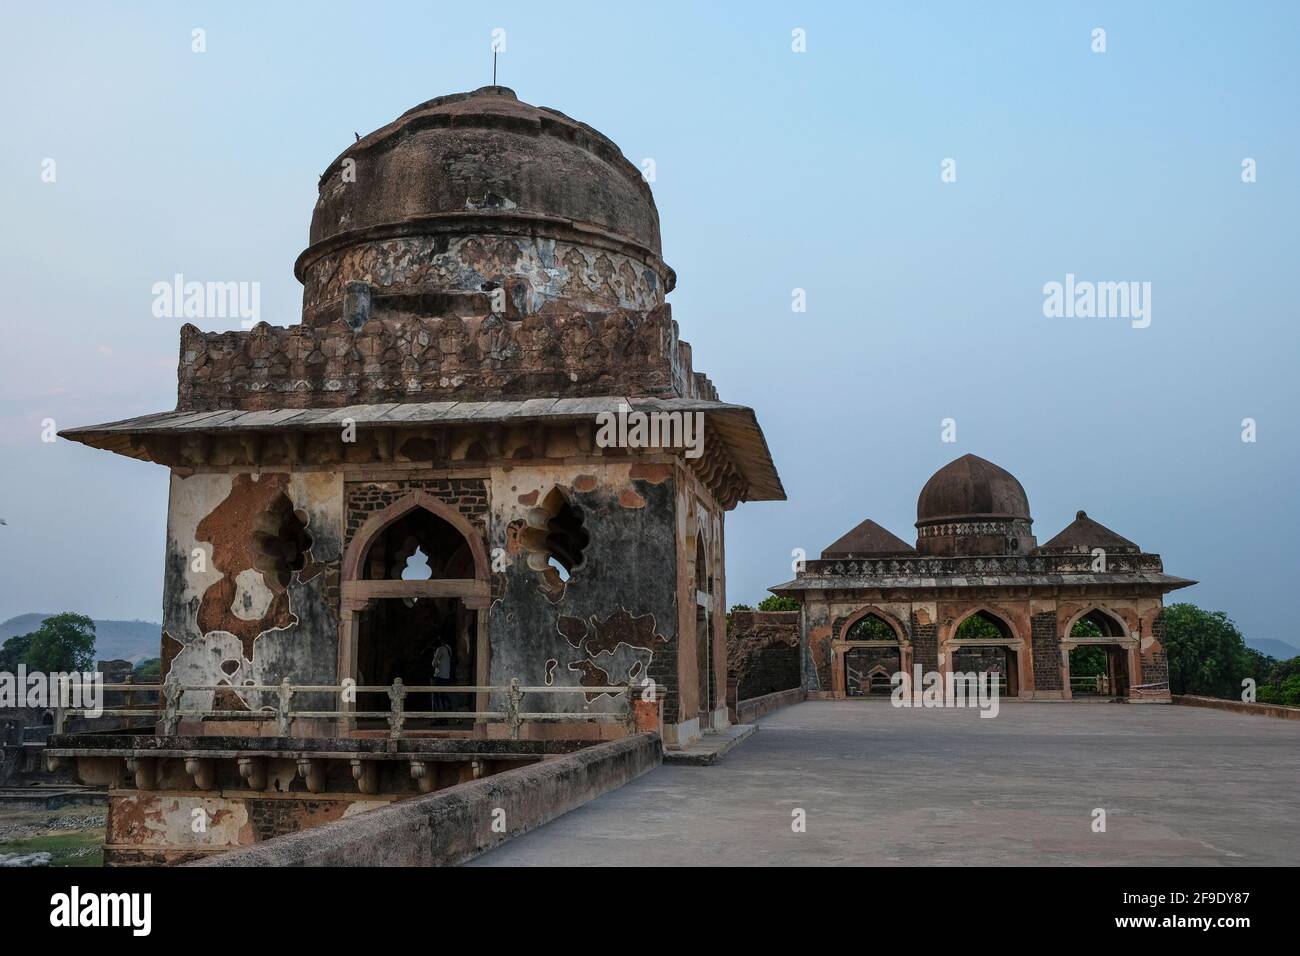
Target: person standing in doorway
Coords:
[(441, 673)]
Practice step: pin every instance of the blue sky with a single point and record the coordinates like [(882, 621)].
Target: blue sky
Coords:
[(775, 171)]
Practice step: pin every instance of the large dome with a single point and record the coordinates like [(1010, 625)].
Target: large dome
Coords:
[(485, 166), (972, 506), (971, 487)]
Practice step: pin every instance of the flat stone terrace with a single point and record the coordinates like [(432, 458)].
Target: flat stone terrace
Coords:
[(1181, 786)]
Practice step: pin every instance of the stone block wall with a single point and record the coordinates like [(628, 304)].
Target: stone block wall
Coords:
[(762, 653)]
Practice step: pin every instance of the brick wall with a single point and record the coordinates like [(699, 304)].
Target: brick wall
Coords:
[(467, 495), (925, 645), (1155, 666), (1047, 651), (762, 653), (770, 669)]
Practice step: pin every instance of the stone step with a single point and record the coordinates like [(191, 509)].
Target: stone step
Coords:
[(710, 748)]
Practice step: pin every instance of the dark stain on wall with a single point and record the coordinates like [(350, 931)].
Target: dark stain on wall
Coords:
[(616, 619)]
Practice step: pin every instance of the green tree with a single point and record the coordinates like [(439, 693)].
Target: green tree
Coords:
[(977, 627), (148, 671), (775, 602), (63, 642), (1207, 654), (1088, 660), (1085, 628), (734, 609), (1287, 692), (15, 652)]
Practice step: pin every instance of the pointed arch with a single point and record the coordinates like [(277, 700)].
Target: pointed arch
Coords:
[(998, 618), (451, 607), (374, 526), (900, 632), (1086, 674), (1112, 625)]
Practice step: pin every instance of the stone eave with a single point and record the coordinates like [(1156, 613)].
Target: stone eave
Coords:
[(744, 445)]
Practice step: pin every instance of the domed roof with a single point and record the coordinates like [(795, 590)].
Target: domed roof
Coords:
[(971, 487), (449, 163)]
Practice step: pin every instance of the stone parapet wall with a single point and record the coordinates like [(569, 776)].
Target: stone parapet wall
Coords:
[(456, 825), (1239, 707), (748, 711), (451, 358), (1037, 564)]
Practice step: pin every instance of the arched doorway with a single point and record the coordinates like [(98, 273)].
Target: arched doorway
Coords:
[(415, 593), (983, 643), (872, 656), (1098, 656), (703, 633)]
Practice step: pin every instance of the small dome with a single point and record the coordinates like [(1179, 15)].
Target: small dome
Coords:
[(474, 203), (484, 154), (971, 487)]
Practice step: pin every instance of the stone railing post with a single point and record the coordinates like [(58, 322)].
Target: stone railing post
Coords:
[(172, 693), (514, 698), (396, 697), (629, 713), (283, 708)]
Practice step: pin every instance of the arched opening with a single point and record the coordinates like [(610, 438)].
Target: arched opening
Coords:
[(556, 541), (874, 657), (281, 542), (871, 627), (982, 644), (413, 628), (1098, 662), (703, 633)]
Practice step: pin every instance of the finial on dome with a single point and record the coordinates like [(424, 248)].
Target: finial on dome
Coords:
[(495, 90)]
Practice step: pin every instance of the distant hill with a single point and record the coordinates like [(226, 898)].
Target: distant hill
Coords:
[(133, 641), (1273, 648)]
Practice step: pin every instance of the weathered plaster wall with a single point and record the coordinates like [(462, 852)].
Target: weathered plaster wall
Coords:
[(156, 828), (627, 612), (224, 620), (615, 618)]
